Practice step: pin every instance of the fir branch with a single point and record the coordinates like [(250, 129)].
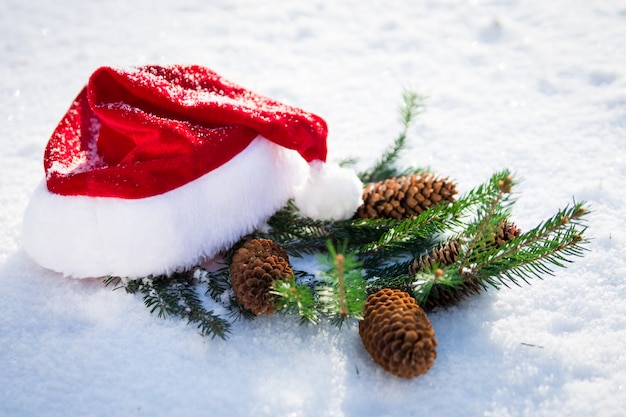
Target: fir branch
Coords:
[(174, 296), (491, 210), (348, 162), (538, 251), (413, 104), (219, 288), (393, 276), (482, 263), (338, 294), (342, 292), (419, 234), (207, 322), (301, 235), (116, 282), (294, 298), (402, 236), (531, 255), (217, 282), (372, 239), (236, 311), (433, 285)]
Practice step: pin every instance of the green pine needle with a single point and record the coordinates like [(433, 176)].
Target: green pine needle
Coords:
[(297, 299), (385, 167), (342, 290), (174, 296), (339, 293), (537, 252)]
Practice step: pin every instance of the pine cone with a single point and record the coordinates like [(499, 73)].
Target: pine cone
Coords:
[(397, 333), (404, 197), (444, 255), (253, 269), (506, 231), (503, 233)]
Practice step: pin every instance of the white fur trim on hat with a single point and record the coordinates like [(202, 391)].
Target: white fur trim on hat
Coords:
[(331, 192), (98, 236)]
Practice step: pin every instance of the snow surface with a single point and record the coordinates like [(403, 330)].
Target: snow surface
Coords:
[(536, 86)]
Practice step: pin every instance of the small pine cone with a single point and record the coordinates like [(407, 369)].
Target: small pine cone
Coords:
[(503, 233), (506, 231), (397, 333), (404, 197), (446, 254), (253, 269), (440, 295)]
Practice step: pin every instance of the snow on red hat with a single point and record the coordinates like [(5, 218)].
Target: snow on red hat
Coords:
[(153, 169)]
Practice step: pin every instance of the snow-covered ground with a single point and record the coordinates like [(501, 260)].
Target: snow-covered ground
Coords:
[(536, 86)]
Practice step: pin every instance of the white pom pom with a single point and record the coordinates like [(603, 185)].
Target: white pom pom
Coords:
[(330, 193)]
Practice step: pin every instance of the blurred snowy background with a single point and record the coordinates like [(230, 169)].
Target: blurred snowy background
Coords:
[(535, 86)]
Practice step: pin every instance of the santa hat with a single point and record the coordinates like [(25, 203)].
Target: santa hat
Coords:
[(155, 169)]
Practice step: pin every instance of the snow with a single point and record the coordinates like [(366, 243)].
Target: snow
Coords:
[(535, 86)]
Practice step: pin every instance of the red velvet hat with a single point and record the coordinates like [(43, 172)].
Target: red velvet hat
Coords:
[(154, 169)]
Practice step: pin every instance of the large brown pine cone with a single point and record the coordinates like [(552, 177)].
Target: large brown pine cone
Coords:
[(404, 197), (397, 333), (254, 268)]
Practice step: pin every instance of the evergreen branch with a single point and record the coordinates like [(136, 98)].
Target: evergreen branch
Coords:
[(207, 322), (301, 235), (390, 274), (338, 294), (236, 311), (294, 298), (219, 288), (116, 282), (413, 104), (348, 162), (157, 297), (434, 284), (217, 282), (341, 293), (492, 209), (479, 199), (532, 254), (538, 251), (402, 235), (416, 235), (398, 281), (174, 296)]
